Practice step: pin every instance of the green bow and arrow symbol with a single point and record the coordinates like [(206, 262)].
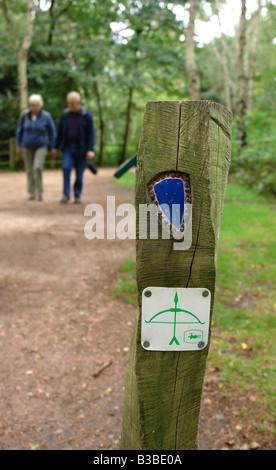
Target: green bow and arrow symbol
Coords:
[(175, 310)]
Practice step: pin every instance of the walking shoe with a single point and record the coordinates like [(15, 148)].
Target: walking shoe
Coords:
[(77, 200), (31, 197), (65, 199), (40, 198)]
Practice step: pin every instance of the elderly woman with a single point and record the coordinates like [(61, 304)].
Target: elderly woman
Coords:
[(35, 129)]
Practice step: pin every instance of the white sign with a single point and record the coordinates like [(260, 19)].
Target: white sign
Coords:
[(175, 319)]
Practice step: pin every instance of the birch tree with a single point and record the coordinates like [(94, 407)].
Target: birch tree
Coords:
[(224, 60), (253, 56), (190, 63), (21, 48), (242, 78)]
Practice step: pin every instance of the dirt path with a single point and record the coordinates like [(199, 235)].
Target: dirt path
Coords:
[(63, 339)]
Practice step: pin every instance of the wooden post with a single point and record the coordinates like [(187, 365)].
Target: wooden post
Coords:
[(191, 139), (12, 153)]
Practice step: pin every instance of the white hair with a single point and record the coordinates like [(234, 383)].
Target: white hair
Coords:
[(75, 95), (36, 99)]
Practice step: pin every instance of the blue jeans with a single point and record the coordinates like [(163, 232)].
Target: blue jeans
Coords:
[(71, 154)]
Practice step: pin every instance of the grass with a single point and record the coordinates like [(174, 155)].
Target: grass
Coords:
[(125, 286), (242, 346), (127, 180), (244, 311)]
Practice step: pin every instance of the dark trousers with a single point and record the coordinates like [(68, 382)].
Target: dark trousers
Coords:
[(72, 156)]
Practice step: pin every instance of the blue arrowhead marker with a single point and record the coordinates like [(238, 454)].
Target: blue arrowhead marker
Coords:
[(170, 195)]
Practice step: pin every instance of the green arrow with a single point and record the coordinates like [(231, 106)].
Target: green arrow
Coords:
[(174, 339)]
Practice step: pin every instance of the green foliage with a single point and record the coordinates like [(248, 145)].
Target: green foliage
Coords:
[(254, 164)]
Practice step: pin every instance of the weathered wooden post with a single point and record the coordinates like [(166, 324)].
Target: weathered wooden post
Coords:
[(188, 143)]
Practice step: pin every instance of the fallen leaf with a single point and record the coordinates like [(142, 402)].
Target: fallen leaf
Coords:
[(94, 320), (231, 442), (243, 345), (254, 445), (244, 447), (33, 446), (29, 372), (253, 398)]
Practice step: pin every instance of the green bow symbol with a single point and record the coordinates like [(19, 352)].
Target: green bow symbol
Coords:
[(175, 310)]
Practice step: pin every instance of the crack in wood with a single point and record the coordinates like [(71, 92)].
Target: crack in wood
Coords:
[(196, 244), (223, 128), (178, 137)]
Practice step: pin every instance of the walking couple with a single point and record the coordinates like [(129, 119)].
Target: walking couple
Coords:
[(75, 137)]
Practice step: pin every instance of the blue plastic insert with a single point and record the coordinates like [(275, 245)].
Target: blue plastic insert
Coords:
[(170, 195)]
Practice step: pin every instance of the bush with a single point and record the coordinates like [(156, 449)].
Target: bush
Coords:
[(254, 164)]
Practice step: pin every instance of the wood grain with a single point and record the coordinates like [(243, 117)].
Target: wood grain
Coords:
[(163, 389)]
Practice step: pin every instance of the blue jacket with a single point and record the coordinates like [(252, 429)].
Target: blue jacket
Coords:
[(35, 134), (87, 132)]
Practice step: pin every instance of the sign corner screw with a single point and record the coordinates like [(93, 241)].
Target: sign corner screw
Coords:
[(148, 293)]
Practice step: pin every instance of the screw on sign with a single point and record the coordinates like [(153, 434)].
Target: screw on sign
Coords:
[(183, 161)]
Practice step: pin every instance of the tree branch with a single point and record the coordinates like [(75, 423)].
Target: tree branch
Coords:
[(54, 18)]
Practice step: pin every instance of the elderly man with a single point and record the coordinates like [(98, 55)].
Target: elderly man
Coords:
[(76, 137)]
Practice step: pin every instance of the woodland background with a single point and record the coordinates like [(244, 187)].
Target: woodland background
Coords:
[(120, 54)]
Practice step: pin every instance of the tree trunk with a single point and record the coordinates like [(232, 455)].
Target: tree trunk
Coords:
[(252, 62), (126, 133), (21, 51), (242, 78), (22, 57), (54, 18), (101, 122), (191, 68), (224, 62), (52, 23)]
